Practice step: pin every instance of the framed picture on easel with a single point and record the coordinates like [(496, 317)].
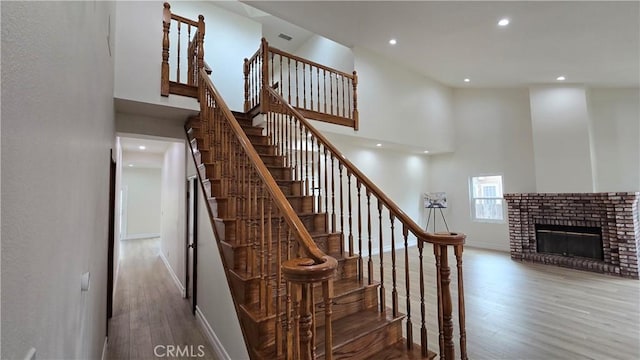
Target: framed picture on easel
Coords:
[(435, 200)]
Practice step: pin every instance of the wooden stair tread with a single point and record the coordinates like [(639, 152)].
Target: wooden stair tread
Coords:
[(399, 351), (352, 327)]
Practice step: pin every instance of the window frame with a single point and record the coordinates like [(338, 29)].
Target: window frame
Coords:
[(473, 199)]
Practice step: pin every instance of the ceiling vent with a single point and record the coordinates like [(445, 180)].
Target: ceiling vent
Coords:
[(285, 36)]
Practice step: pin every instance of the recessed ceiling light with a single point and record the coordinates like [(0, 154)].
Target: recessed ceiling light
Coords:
[(378, 145), (393, 41), (503, 22), (142, 147), (561, 78), (130, 165), (426, 151), (467, 80)]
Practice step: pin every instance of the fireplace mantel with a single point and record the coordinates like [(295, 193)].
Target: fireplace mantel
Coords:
[(616, 213)]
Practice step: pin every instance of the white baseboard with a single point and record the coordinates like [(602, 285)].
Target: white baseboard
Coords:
[(175, 278), (104, 349), (140, 236), (218, 349)]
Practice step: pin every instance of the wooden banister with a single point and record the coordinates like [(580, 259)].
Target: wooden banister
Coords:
[(370, 185), (322, 265), (299, 142)]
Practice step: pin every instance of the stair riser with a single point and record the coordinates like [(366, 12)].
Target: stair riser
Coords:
[(222, 208), (226, 207), (252, 130), (369, 345), (281, 173), (265, 149), (244, 290), (232, 229), (258, 139), (273, 160), (291, 188), (364, 298), (329, 244), (238, 258), (262, 333)]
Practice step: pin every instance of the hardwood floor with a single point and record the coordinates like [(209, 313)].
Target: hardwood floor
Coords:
[(529, 311), (514, 310), (149, 310)]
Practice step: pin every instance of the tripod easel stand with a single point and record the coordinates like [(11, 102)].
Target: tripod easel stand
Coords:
[(432, 211)]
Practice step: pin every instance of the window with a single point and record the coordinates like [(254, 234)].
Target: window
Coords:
[(486, 198)]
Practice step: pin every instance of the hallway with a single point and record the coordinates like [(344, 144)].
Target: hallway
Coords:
[(149, 314)]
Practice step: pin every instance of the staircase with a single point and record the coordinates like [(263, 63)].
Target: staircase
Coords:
[(360, 330), (302, 232)]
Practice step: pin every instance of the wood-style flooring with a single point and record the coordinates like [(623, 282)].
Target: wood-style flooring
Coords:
[(149, 310), (527, 311), (513, 310)]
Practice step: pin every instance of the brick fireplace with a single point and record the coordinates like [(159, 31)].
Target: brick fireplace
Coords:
[(615, 214)]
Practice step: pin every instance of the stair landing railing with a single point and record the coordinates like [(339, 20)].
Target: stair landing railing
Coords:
[(316, 91), (187, 56)]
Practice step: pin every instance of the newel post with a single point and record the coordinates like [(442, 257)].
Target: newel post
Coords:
[(300, 274), (441, 242), (200, 44), (264, 76), (246, 85), (355, 114), (164, 73)]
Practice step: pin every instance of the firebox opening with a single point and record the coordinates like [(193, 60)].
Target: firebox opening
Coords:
[(572, 241)]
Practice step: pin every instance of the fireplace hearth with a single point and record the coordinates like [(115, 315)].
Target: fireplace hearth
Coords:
[(597, 232)]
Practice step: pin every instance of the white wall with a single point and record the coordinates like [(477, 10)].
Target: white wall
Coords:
[(402, 176), (143, 201), (562, 153), (493, 136), (399, 105), (229, 38), (615, 134), (328, 53), (173, 213), (138, 54), (214, 297), (57, 130)]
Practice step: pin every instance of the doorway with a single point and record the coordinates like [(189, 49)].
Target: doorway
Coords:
[(111, 237), (191, 262)]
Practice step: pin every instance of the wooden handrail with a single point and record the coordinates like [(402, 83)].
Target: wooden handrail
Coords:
[(309, 62), (322, 262), (184, 20), (390, 204)]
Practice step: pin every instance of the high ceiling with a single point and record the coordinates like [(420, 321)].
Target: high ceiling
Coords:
[(596, 43)]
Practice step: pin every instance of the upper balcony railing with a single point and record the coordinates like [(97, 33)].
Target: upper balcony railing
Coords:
[(185, 50), (316, 91)]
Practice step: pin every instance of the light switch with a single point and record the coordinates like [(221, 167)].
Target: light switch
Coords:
[(84, 282)]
